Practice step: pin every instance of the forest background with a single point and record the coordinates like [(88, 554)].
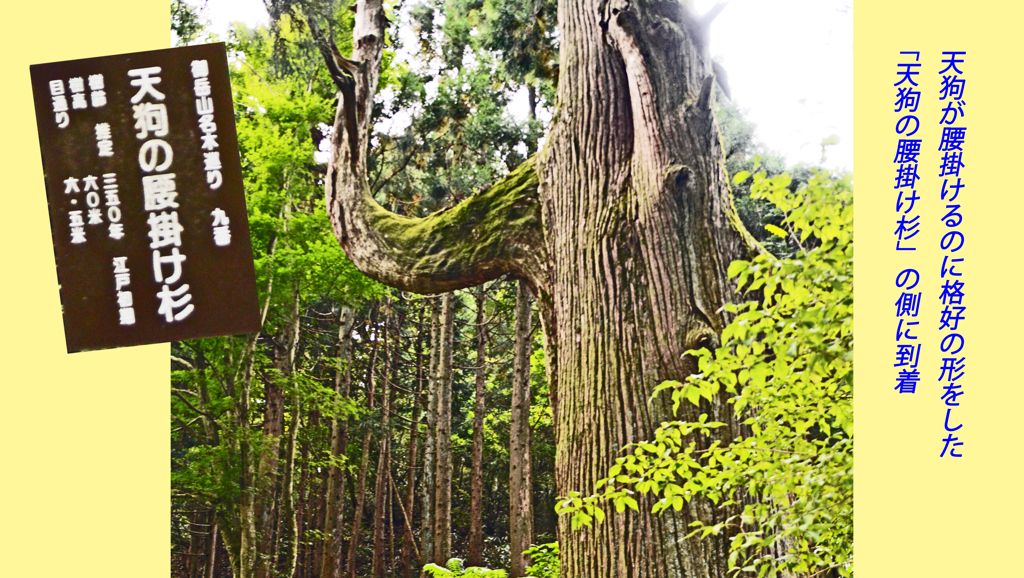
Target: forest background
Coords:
[(356, 394)]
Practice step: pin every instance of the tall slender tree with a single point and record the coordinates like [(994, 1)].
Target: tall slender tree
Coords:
[(409, 550), (520, 479), (381, 512), (443, 478), (330, 566), (430, 454), (476, 478), (364, 461)]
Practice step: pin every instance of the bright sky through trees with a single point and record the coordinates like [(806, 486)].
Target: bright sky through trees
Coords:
[(789, 66)]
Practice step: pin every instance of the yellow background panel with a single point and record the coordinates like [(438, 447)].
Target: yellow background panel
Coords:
[(84, 476), (917, 514), (84, 485)]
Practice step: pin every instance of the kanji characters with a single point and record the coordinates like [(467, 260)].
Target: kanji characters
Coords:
[(159, 192), (155, 155), (207, 124), (164, 229), (122, 279), (150, 118), (169, 305), (145, 79), (221, 232)]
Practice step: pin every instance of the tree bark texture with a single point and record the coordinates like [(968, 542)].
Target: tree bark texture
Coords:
[(409, 557), (430, 452), (443, 478), (641, 237), (380, 510), (364, 461), (520, 479), (475, 556), (330, 566), (623, 227)]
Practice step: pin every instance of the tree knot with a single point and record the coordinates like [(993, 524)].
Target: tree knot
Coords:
[(678, 177)]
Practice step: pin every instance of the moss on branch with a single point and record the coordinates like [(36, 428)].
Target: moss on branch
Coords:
[(491, 233)]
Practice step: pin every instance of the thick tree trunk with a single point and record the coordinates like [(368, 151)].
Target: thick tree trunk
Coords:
[(641, 232), (443, 499), (476, 477), (330, 566), (520, 479), (624, 228)]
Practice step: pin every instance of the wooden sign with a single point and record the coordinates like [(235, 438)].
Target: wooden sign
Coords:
[(145, 195)]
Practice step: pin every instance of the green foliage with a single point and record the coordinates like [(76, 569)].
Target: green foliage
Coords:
[(544, 561), (220, 384), (787, 362), (187, 22), (274, 115), (455, 570), (745, 155)]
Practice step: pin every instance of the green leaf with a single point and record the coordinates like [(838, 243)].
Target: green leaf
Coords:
[(693, 394), (631, 503), (736, 267)]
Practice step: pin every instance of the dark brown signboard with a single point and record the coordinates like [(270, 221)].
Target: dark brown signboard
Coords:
[(144, 188)]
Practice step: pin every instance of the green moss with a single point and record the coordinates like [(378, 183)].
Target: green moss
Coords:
[(479, 228)]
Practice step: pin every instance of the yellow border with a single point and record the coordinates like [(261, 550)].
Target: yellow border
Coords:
[(917, 514), (84, 480)]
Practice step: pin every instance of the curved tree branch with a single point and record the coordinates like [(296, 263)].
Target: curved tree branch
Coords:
[(493, 232), (212, 417), (342, 76)]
